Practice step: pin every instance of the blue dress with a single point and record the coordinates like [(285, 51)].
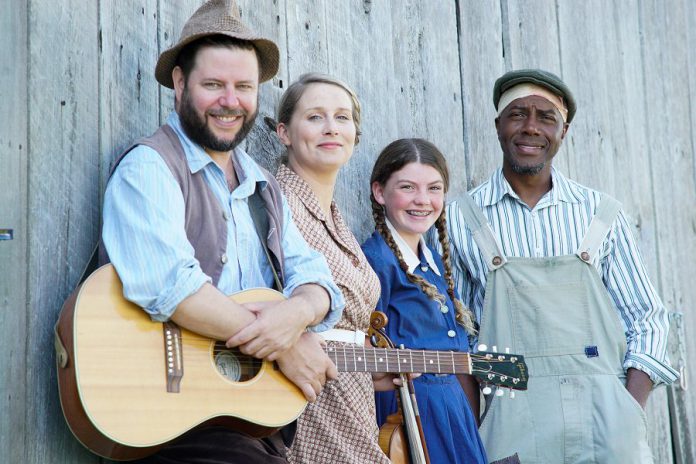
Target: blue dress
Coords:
[(419, 323)]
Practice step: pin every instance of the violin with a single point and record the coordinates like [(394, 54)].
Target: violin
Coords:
[(401, 436)]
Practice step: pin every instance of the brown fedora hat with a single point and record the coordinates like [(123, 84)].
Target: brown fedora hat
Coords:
[(218, 17)]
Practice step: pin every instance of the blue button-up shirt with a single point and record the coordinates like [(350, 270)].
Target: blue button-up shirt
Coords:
[(145, 238), (555, 227)]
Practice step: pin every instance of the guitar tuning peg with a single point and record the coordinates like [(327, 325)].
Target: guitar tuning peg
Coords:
[(512, 393), (482, 347), (494, 349), (487, 390), (499, 392), (507, 350)]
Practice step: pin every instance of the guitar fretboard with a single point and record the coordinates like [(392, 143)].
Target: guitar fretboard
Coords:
[(363, 359)]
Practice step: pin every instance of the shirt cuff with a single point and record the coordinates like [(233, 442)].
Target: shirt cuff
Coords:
[(659, 372), (335, 308), (188, 282)]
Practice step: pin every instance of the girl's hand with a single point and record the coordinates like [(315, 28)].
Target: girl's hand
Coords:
[(387, 382)]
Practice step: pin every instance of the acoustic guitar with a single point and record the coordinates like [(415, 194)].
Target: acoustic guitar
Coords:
[(129, 385)]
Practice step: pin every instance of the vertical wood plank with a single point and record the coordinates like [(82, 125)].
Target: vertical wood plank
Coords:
[(360, 49), (426, 70), (482, 60), (129, 99), (588, 59), (63, 199), (672, 167), (13, 215)]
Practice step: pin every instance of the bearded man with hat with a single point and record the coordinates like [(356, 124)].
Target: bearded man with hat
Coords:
[(551, 270), (184, 211)]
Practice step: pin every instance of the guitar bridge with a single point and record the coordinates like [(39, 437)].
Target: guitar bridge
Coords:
[(172, 356)]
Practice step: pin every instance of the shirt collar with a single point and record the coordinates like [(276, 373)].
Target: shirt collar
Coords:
[(412, 261), (561, 190), (248, 172), (303, 191)]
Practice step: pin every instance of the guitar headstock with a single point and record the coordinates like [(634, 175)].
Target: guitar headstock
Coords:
[(500, 369)]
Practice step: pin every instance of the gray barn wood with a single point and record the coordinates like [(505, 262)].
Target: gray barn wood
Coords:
[(77, 86)]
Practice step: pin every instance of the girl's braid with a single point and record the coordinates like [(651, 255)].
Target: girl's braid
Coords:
[(464, 316), (380, 224)]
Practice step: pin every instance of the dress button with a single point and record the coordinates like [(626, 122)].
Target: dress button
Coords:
[(226, 215), (585, 256), (223, 258), (497, 260), (444, 309), (451, 333)]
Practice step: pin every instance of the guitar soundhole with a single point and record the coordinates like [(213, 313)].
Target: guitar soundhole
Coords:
[(234, 365)]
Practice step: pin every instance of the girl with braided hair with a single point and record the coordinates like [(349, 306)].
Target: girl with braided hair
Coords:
[(409, 182)]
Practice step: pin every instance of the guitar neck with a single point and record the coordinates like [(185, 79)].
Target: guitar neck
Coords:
[(355, 358)]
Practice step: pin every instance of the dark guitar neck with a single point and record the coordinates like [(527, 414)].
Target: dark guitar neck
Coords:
[(364, 359)]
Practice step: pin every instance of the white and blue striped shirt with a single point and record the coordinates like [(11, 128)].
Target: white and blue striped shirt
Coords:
[(556, 227), (146, 241)]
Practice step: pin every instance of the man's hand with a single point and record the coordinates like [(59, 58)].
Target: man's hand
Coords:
[(306, 365), (639, 385), (278, 325)]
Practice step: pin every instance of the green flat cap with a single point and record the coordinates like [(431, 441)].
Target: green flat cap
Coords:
[(538, 77)]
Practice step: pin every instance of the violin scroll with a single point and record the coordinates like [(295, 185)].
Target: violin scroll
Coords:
[(378, 337)]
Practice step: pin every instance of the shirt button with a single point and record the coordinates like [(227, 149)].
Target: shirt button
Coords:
[(223, 258), (585, 256), (451, 333), (497, 260), (226, 215), (444, 309)]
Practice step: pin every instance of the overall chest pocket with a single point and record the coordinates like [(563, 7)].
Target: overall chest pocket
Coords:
[(550, 320)]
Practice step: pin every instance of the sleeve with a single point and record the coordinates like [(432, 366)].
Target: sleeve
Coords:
[(642, 313), (304, 265), (144, 235)]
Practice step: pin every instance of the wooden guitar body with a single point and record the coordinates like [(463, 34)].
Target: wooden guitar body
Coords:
[(114, 383), (129, 386)]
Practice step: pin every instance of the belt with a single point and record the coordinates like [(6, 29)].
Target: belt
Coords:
[(346, 336)]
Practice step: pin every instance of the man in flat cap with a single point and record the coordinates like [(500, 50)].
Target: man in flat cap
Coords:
[(189, 218), (551, 270)]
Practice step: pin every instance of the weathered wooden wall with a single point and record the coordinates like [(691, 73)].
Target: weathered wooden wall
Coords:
[(77, 85)]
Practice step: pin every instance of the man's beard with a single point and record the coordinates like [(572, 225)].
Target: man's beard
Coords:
[(527, 170), (198, 131)]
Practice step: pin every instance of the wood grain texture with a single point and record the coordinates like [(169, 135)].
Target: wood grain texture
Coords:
[(13, 215), (62, 199), (482, 60), (672, 173), (128, 90)]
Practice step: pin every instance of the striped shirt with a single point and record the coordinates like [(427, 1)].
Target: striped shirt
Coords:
[(556, 227), (145, 238)]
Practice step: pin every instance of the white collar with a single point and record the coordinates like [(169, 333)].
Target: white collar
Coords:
[(411, 259)]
